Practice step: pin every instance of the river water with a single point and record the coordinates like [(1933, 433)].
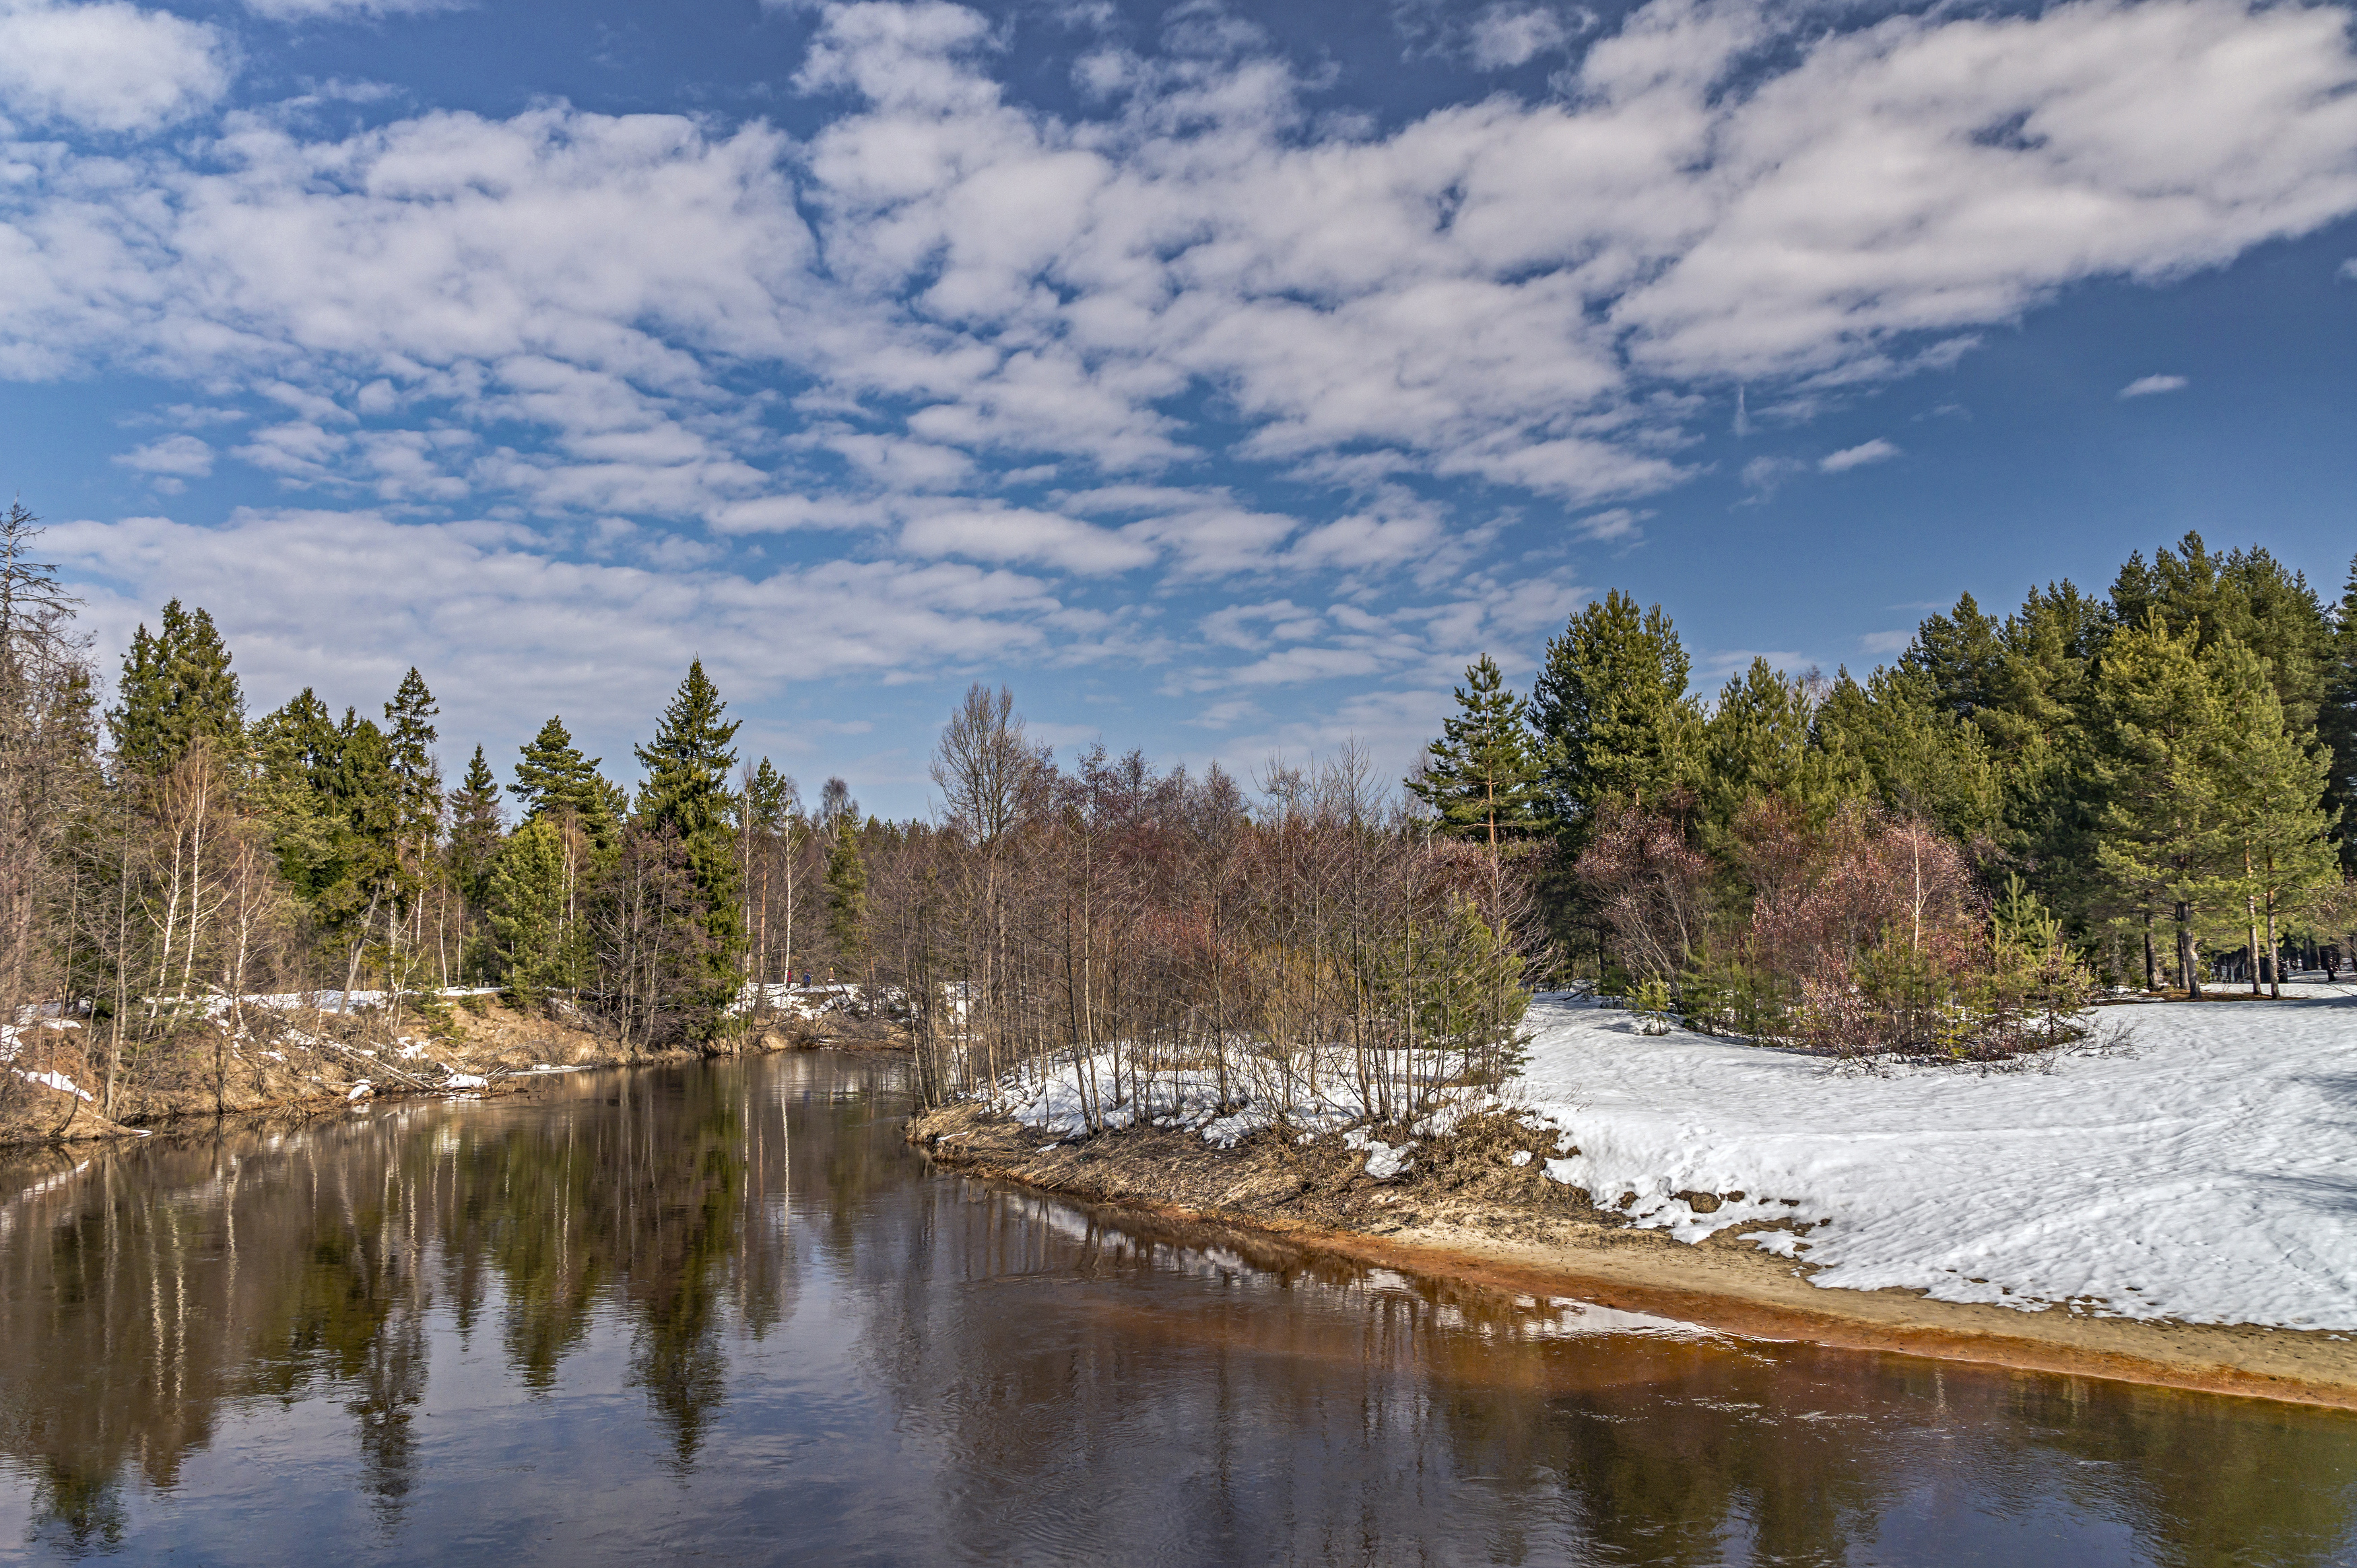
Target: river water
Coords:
[(722, 1312)]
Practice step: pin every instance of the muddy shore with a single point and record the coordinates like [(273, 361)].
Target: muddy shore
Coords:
[(1467, 1212)]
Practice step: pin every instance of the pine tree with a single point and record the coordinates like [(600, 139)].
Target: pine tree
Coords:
[(2247, 595), (1612, 718), (553, 779), (178, 688), (2273, 790), (1756, 743), (2163, 841), (1891, 741), (686, 793), (2337, 724), (846, 898), (1480, 778)]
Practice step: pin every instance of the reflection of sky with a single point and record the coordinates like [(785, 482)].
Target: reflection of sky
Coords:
[(1224, 378), (943, 1370)]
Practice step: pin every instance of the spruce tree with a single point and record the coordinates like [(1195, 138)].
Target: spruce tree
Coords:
[(475, 829), (364, 816), (177, 689), (553, 779), (1613, 718), (1480, 778), (297, 753), (686, 792), (525, 903), (409, 736)]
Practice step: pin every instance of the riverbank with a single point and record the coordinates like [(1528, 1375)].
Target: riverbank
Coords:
[(1466, 1212), (2164, 1203), (307, 1055)]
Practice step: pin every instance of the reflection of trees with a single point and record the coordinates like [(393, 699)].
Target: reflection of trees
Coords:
[(164, 1279), (1115, 1380), (1120, 1375)]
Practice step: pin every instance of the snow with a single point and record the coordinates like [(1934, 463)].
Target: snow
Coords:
[(2190, 1161), (2200, 1171), (1384, 1162), (56, 1080), (466, 1080)]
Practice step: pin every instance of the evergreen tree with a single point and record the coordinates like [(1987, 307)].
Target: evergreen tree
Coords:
[(1480, 778), (296, 755), (1893, 742), (2164, 836), (475, 829), (1611, 713), (364, 817), (1960, 656), (178, 688), (686, 793), (2272, 786), (2337, 724), (409, 736), (1756, 743), (846, 898), (2247, 595), (525, 901), (553, 779)]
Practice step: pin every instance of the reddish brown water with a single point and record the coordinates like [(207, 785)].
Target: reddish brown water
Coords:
[(723, 1311)]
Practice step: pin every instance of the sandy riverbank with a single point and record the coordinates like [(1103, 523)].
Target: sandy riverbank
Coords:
[(1465, 1210)]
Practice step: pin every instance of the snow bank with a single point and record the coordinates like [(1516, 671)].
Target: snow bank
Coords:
[(2206, 1171)]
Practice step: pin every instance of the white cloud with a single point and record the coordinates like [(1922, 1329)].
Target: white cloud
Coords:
[(1875, 451), (2145, 386), (1883, 644), (346, 601), (175, 456), (107, 65), (317, 10), (588, 316), (1505, 36)]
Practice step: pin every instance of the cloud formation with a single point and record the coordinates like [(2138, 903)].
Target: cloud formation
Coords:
[(1875, 451), (108, 66), (2145, 386), (1012, 383)]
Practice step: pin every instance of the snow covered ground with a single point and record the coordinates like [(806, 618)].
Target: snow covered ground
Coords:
[(2205, 1169), (2196, 1162)]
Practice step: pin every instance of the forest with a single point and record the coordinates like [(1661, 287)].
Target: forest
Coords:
[(2146, 790), (1950, 858)]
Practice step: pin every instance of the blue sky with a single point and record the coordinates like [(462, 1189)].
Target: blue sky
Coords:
[(1221, 378)]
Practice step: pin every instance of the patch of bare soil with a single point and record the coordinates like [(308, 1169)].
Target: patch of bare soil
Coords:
[(1465, 1210)]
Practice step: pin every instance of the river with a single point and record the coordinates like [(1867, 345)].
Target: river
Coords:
[(722, 1310)]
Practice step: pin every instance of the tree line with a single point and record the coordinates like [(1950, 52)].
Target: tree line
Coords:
[(2149, 788), (184, 877)]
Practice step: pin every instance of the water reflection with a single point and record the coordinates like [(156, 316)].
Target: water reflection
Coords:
[(724, 1309)]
